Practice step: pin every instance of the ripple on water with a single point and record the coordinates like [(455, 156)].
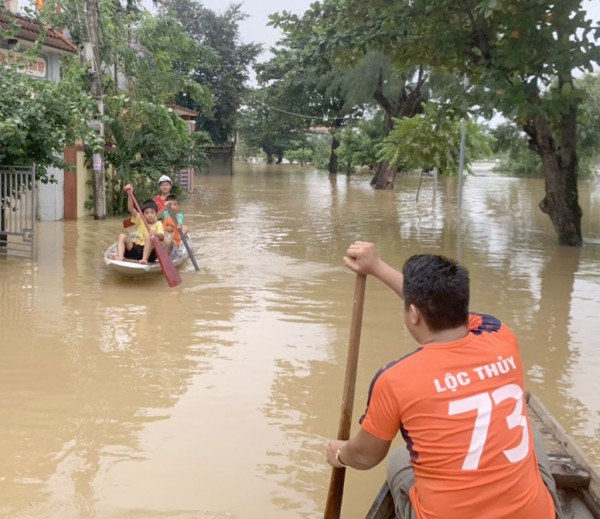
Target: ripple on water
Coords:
[(76, 507)]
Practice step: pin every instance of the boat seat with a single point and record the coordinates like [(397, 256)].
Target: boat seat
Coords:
[(567, 472)]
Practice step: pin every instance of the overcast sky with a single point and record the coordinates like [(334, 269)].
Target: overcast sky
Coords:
[(254, 28)]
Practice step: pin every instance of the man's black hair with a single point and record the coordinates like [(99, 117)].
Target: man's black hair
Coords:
[(171, 197), (439, 288)]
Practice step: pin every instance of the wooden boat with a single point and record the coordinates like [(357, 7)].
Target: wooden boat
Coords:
[(135, 269), (577, 481)]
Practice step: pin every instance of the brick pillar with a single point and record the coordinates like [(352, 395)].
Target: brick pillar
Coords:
[(70, 186)]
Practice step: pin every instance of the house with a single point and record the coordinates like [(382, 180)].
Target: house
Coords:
[(28, 31), (23, 32)]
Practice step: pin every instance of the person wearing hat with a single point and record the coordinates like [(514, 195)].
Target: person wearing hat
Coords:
[(164, 185)]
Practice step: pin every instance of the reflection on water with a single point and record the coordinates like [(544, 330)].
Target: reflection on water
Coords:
[(214, 399)]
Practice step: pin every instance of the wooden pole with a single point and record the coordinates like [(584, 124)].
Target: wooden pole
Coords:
[(93, 57), (183, 239), (333, 507)]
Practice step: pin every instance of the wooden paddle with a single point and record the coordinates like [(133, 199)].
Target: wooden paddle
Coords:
[(183, 238), (333, 507), (169, 270)]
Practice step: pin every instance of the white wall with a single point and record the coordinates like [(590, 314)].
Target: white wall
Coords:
[(50, 197)]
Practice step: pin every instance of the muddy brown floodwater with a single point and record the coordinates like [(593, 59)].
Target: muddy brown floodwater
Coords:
[(128, 399)]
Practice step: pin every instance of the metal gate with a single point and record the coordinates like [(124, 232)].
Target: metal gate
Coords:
[(17, 211)]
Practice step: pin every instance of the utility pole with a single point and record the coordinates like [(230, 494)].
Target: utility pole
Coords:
[(92, 55), (461, 162)]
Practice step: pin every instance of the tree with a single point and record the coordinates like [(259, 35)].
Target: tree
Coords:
[(588, 136), (151, 60), (226, 77), (432, 140), (147, 140), (518, 57), (362, 77), (300, 156), (265, 127), (38, 119), (511, 143), (515, 156), (360, 143), (160, 60), (314, 88)]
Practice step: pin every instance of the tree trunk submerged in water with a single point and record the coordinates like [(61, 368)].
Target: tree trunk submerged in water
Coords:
[(407, 104), (560, 167), (332, 167), (384, 177), (333, 158), (269, 153), (561, 202)]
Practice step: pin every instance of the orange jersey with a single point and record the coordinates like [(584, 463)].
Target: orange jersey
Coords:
[(171, 228), (460, 407)]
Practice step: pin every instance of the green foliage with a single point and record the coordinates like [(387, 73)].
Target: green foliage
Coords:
[(510, 145), (588, 129), (304, 81), (164, 65), (300, 156), (39, 118), (432, 139), (512, 52), (187, 54), (152, 57), (518, 57), (320, 143), (245, 151), (506, 49), (264, 127), (319, 57), (360, 143), (71, 16), (147, 140), (226, 76), (10, 27)]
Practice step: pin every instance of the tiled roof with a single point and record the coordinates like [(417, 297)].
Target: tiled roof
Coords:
[(29, 30), (182, 110)]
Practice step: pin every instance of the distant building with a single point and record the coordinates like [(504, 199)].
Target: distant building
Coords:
[(319, 129)]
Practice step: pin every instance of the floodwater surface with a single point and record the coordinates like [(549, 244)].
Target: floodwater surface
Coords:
[(215, 399)]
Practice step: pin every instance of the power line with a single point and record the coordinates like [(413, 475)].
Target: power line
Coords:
[(313, 117), (146, 51)]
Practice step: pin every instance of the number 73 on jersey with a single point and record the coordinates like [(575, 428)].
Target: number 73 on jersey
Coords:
[(484, 404)]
